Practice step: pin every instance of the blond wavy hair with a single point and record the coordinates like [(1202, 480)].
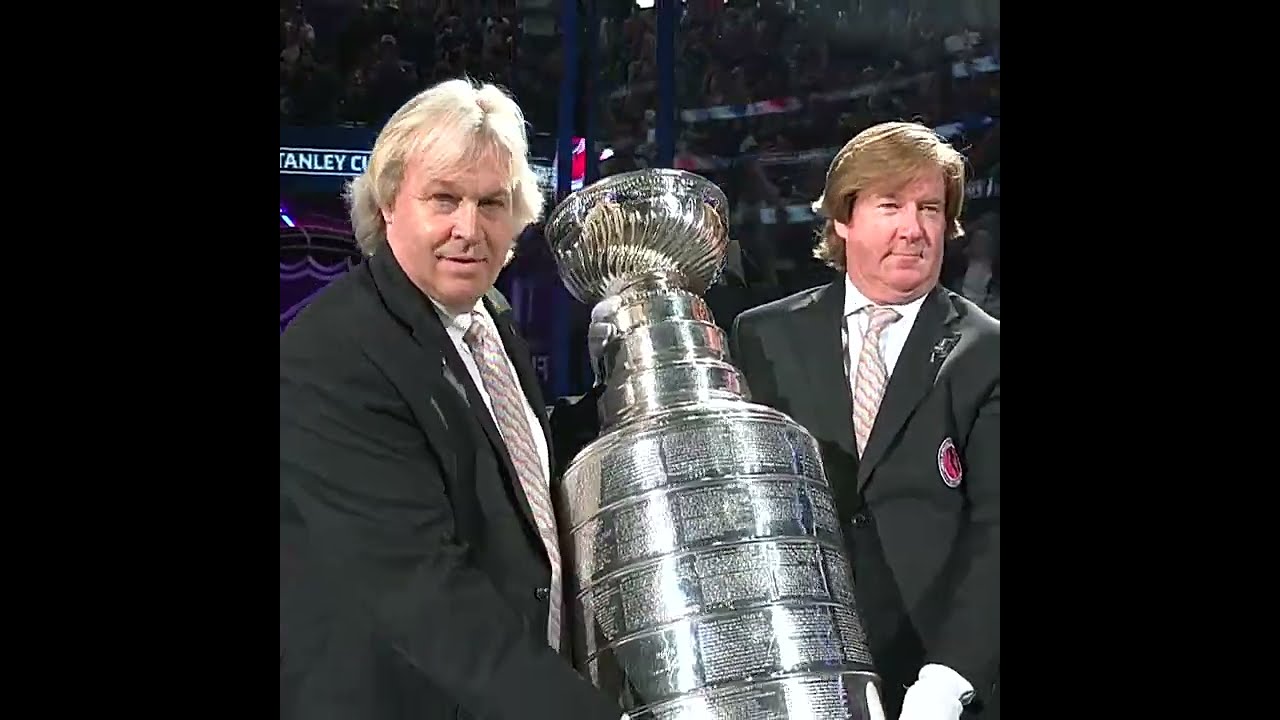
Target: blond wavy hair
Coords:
[(890, 154), (452, 125)]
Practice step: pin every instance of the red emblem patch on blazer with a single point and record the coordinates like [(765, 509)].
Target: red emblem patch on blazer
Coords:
[(949, 464)]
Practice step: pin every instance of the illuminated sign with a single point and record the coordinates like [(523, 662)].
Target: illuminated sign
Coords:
[(322, 161), (325, 157)]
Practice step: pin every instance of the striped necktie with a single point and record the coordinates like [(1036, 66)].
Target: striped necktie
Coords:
[(868, 386), (509, 413)]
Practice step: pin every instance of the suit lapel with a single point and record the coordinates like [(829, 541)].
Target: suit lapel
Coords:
[(462, 378), (818, 329), (408, 303), (912, 377)]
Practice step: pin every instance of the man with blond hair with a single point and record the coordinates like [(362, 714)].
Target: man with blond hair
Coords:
[(899, 381), (420, 568)]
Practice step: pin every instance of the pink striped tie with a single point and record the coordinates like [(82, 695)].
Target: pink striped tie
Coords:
[(868, 386), (509, 411)]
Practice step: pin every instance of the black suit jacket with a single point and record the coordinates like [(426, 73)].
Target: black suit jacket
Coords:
[(926, 556), (412, 580)]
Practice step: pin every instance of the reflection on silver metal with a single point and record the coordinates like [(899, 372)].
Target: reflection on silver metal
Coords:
[(707, 574), (637, 223)]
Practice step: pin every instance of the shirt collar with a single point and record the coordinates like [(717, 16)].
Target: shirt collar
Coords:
[(457, 324), (854, 301)]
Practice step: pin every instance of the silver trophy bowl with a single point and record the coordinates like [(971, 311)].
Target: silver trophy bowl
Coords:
[(705, 569), (636, 224)]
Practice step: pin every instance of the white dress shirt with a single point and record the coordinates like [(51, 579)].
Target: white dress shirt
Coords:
[(892, 339), (456, 326)]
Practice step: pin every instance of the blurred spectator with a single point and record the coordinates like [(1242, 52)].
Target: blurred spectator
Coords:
[(768, 91), (367, 57), (981, 283)]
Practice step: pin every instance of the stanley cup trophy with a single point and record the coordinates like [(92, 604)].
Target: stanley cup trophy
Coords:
[(705, 564)]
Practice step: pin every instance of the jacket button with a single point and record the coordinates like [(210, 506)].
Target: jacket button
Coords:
[(861, 520), (542, 593)]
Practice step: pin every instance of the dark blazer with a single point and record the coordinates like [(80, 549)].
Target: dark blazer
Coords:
[(926, 556), (413, 584)]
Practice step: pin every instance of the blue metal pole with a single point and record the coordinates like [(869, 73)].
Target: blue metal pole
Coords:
[(595, 88), (664, 129), (568, 95), (562, 352), (595, 85)]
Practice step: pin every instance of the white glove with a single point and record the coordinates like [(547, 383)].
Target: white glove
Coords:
[(938, 694)]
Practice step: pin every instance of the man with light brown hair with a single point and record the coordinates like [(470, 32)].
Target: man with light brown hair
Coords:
[(899, 380)]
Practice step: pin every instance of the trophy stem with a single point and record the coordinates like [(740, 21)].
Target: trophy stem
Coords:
[(666, 352)]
